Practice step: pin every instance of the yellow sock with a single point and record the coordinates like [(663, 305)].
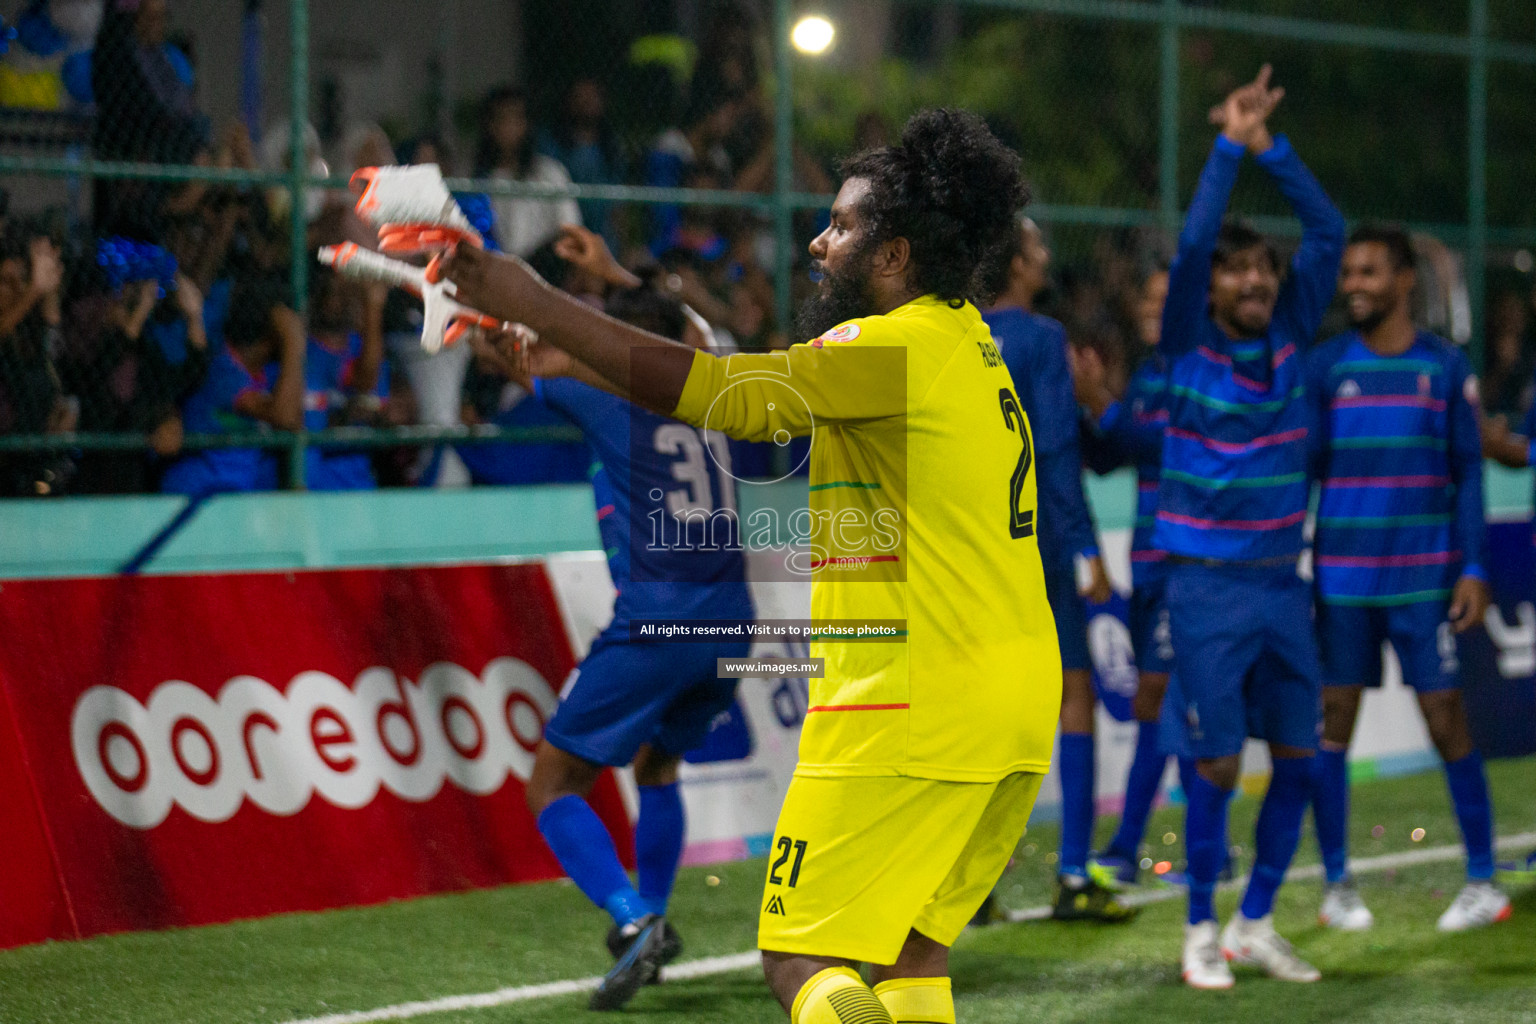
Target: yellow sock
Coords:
[(837, 995), (918, 1000)]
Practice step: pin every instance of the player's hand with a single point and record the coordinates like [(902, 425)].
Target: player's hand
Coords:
[(166, 438), (1469, 602), (587, 251), (189, 298), (1098, 589), (47, 270), (1089, 379), (1242, 115), (500, 286), (290, 330)]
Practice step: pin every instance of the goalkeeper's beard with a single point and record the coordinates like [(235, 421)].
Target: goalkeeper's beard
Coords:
[(842, 296)]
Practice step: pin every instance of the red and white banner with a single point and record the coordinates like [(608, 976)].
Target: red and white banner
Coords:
[(180, 750)]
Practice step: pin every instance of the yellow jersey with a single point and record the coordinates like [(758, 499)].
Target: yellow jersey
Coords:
[(922, 509)]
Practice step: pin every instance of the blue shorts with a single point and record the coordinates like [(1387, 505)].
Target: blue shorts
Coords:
[(626, 694), (1071, 614), (1245, 658), (1350, 640), (1151, 635)]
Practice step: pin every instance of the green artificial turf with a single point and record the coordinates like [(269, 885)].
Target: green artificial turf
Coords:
[(308, 965)]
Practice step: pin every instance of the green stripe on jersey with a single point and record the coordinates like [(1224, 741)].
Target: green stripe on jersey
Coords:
[(846, 483), (1411, 441), (1386, 366), (1200, 398), (1393, 600), (1212, 483), (1382, 522)]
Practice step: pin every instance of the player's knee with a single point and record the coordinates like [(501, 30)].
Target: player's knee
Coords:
[(1077, 701), (558, 774), (1446, 719), (1220, 772), (1147, 705), (1341, 706), (655, 767)]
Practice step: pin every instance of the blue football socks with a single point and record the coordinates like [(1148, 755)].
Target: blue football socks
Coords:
[(1330, 810), (1077, 792), (1140, 791), (659, 843), (585, 850), (1474, 812), (1278, 831), (1205, 842)]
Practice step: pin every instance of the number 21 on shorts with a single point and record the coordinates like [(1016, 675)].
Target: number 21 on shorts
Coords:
[(787, 847)]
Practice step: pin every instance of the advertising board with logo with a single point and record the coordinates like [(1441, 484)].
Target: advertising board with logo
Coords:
[(187, 749)]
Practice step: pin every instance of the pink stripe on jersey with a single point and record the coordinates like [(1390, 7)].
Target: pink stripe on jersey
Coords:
[(1385, 561), (1233, 524), (1235, 448), (1388, 481), (1390, 402)]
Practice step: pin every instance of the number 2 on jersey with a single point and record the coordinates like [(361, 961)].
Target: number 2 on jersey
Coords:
[(1021, 522)]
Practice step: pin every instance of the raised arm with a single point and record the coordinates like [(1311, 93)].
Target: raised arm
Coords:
[(645, 368), (1314, 272), (1241, 117), (1189, 277), (749, 396)]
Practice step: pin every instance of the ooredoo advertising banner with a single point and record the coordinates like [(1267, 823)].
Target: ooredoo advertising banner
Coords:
[(185, 750)]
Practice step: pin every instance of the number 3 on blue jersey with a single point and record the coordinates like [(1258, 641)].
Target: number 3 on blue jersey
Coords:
[(692, 468), (1021, 522)]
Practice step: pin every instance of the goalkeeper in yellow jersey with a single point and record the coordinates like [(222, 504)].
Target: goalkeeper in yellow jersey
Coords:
[(921, 755)]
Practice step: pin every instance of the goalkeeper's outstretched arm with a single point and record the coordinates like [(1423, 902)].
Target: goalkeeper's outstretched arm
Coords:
[(646, 368)]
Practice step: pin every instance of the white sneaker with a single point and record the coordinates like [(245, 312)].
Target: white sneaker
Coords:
[(409, 195), (1477, 905), (1204, 966), (1344, 909), (1257, 944)]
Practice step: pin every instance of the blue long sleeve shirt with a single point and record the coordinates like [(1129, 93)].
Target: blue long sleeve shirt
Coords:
[(1131, 433), (1399, 457), (1034, 348), (1234, 481)]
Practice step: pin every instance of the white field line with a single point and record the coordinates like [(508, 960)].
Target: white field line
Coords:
[(713, 965), (1360, 865)]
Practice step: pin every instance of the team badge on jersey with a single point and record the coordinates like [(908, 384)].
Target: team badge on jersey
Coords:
[(1424, 385), (847, 332), (1349, 389)]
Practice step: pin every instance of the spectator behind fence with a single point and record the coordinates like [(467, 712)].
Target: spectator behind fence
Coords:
[(136, 361), (145, 111), (237, 395), (32, 398), (345, 381), (505, 152), (1507, 389), (690, 156), (589, 150)]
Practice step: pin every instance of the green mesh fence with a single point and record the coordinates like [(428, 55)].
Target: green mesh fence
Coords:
[(694, 136)]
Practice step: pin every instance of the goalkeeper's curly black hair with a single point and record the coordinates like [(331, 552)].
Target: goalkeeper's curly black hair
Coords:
[(953, 191)]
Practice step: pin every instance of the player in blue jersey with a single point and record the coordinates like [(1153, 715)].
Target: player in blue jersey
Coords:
[(667, 514), (1398, 552), (1517, 451), (1034, 347), (1231, 501), (1128, 430)]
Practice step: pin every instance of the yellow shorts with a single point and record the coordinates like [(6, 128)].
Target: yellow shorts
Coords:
[(857, 863)]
